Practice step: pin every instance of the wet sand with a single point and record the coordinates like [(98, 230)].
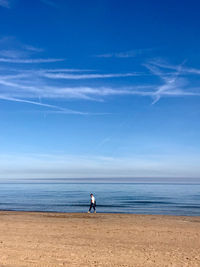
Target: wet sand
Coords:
[(81, 239)]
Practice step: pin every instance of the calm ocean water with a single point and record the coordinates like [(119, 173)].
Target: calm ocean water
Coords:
[(140, 198)]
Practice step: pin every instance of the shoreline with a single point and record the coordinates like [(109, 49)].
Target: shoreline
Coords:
[(101, 239), (108, 213)]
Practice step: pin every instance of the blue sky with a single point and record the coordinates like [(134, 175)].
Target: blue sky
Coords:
[(99, 89)]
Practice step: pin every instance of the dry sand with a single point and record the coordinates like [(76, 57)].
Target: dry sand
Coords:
[(66, 239)]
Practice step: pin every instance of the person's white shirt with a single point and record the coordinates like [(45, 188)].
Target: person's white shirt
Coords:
[(92, 199)]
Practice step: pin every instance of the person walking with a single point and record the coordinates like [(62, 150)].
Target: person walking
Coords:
[(92, 203)]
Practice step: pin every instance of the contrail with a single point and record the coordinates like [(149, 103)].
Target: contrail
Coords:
[(70, 111)]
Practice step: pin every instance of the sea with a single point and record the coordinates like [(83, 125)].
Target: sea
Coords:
[(131, 196)]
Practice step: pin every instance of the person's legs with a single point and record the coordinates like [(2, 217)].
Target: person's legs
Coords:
[(94, 207), (90, 207)]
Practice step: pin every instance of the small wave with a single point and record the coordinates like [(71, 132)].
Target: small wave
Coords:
[(189, 207), (147, 202)]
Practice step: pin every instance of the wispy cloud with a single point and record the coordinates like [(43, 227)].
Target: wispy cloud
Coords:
[(33, 48), (184, 69), (17, 86), (5, 3), (12, 45), (86, 76), (126, 54), (65, 70), (13, 51), (173, 84), (28, 85), (12, 54), (30, 61), (89, 92), (61, 110)]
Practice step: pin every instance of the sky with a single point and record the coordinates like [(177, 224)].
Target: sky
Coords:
[(96, 89)]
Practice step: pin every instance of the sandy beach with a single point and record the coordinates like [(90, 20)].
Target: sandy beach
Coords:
[(66, 239)]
